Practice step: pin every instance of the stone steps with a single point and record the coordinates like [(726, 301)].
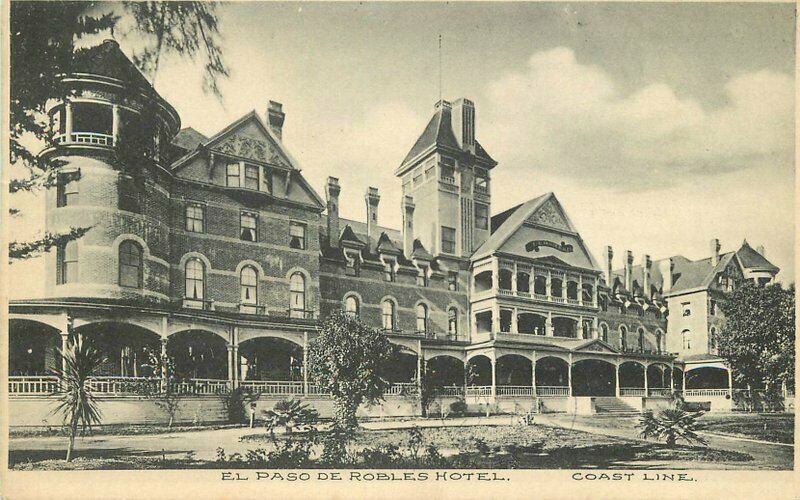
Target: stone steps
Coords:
[(614, 406)]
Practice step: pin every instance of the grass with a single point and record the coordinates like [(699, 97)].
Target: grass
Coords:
[(117, 430), (773, 427)]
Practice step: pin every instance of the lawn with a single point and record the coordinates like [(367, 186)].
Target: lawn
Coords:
[(474, 447), (774, 427), (115, 430)]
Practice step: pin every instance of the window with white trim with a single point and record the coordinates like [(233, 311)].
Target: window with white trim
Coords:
[(481, 216), (248, 285), (195, 217), (251, 177), (452, 321), (351, 306), (387, 315), (448, 240), (67, 260), (422, 318), (195, 279), (297, 235), (248, 226), (233, 175), (130, 264), (297, 292)]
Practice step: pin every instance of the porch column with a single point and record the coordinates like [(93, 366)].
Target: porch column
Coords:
[(580, 327), (419, 367), (494, 377), (616, 379), (496, 328), (730, 383), (495, 276), (672, 378), (548, 283), (64, 348), (514, 280), (548, 326), (683, 384), (646, 388), (595, 329), (164, 364), (235, 361), (533, 374), (231, 361), (514, 321), (115, 124), (580, 289), (68, 120), (594, 292), (569, 375), (305, 363)]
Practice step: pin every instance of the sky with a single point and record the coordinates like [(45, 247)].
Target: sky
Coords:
[(658, 126)]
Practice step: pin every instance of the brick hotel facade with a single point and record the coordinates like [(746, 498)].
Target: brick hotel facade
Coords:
[(216, 253)]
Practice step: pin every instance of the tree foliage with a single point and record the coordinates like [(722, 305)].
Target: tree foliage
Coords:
[(41, 50), (76, 402), (758, 336), (350, 360)]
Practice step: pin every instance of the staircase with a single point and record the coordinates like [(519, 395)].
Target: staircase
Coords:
[(613, 406)]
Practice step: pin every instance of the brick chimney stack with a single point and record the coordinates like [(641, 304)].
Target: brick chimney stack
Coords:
[(609, 266), (275, 118), (408, 225), (332, 190), (628, 270), (665, 268), (372, 198), (646, 265), (714, 251)]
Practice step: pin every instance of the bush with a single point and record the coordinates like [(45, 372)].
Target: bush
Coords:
[(235, 402), (334, 451), (458, 408), (382, 457), (672, 424), (290, 414)]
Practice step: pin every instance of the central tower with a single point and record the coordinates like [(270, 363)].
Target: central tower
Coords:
[(447, 174)]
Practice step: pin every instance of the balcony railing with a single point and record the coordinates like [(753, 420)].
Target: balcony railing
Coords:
[(202, 386), (32, 385), (574, 302), (632, 391), (447, 179), (505, 291), (201, 304), (514, 390), (559, 300), (557, 391), (92, 138), (125, 385)]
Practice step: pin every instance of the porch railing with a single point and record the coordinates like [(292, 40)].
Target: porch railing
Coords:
[(93, 138), (402, 389), (632, 391), (554, 390), (705, 392), (452, 390), (125, 385), (659, 392), (32, 385), (478, 390), (514, 390), (274, 388), (202, 386)]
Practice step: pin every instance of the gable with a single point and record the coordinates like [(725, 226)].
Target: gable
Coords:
[(249, 140), (550, 214), (548, 246), (596, 346)]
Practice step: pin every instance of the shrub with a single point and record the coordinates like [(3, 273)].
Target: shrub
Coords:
[(290, 414), (458, 408), (334, 451), (415, 440), (381, 457), (235, 402), (433, 458), (671, 424)]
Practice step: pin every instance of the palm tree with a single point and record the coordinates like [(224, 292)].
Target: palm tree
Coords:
[(291, 414), (672, 424), (77, 404)]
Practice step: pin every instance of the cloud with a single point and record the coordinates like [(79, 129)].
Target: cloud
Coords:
[(570, 119)]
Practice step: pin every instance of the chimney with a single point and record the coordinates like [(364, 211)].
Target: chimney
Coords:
[(408, 225), (628, 270), (714, 251), (332, 193), (665, 268), (761, 250), (463, 122), (609, 268), (646, 265), (372, 198), (275, 118)]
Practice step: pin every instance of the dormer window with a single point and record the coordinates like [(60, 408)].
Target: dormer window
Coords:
[(352, 262), (388, 270), (251, 177), (233, 175), (422, 275)]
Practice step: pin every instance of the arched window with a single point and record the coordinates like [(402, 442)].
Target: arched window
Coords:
[(297, 292), (130, 265), (422, 318), (604, 333), (351, 306), (452, 321), (687, 340), (623, 340), (248, 284), (195, 279), (387, 313)]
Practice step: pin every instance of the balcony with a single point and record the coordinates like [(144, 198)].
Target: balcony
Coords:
[(200, 304), (91, 138)]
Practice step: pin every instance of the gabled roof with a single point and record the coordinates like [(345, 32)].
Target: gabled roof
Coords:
[(595, 345), (349, 236), (189, 138), (752, 260), (686, 274), (511, 220), (385, 245), (420, 252)]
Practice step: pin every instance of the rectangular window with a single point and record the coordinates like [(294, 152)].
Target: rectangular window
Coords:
[(297, 236), (232, 173), (248, 230), (447, 170), (266, 181), (67, 263), (67, 191), (129, 194), (195, 218), (388, 271), (448, 240), (481, 216), (452, 281), (422, 276), (251, 177)]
